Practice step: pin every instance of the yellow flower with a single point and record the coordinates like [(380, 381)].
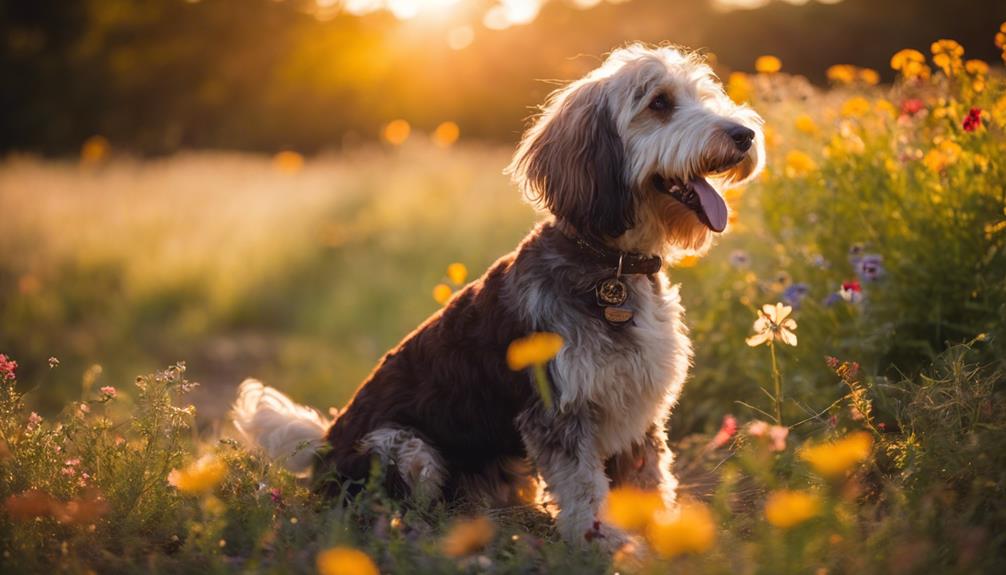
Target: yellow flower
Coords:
[(947, 55), (446, 134), (687, 262), (467, 536), (396, 132), (631, 508), (842, 73), (835, 458), (345, 561), (911, 63), (768, 64), (688, 529), (442, 293), (288, 162), (869, 76), (883, 106), (457, 273), (786, 508), (945, 154), (773, 323), (1001, 36), (805, 124), (977, 67), (739, 87), (799, 164), (535, 349), (199, 477), (855, 107)]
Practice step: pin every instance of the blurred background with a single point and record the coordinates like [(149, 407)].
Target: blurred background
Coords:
[(273, 188)]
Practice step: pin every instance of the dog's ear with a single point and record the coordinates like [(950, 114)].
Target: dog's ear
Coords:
[(572, 162)]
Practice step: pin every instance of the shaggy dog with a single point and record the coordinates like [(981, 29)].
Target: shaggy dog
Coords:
[(628, 160)]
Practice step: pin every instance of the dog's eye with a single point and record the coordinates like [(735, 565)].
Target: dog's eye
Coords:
[(660, 103)]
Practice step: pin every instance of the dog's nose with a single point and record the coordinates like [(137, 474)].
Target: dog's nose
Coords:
[(742, 136)]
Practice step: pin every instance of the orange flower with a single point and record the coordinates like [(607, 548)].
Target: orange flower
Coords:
[(911, 63), (947, 55), (446, 134), (457, 273), (199, 477), (442, 293), (835, 458), (345, 561), (788, 508), (396, 132), (631, 508), (467, 537), (768, 64), (535, 349), (739, 87), (688, 529)]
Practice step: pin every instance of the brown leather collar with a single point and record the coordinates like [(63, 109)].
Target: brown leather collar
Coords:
[(631, 263)]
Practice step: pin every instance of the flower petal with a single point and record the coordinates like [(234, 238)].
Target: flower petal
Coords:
[(781, 312), (759, 338), (787, 337)]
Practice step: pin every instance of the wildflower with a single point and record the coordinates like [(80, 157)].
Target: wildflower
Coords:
[(805, 124), (288, 162), (7, 367), (442, 293), (773, 324), (775, 434), (911, 64), (973, 120), (835, 458), (851, 291), (84, 408), (345, 561), (787, 508), (446, 134), (457, 273), (727, 430), (53, 362), (467, 537), (870, 267), (945, 154), (841, 73), (794, 294), (739, 87), (947, 55), (108, 391), (799, 164), (276, 496), (855, 107), (739, 259), (1001, 37), (687, 262), (396, 132), (768, 64), (976, 67), (885, 107), (34, 420), (869, 76), (535, 349), (199, 477), (912, 106), (688, 529), (631, 508), (94, 150)]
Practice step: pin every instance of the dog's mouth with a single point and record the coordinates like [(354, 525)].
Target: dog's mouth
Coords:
[(697, 195)]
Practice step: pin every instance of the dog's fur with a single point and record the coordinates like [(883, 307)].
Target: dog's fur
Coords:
[(443, 411)]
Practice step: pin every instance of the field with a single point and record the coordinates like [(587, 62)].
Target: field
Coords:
[(872, 442)]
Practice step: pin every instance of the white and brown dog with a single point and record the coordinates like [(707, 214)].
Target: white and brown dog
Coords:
[(628, 160)]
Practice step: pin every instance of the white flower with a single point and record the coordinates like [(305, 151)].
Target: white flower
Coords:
[(773, 323)]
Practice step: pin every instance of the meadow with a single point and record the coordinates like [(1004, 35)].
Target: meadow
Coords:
[(870, 442)]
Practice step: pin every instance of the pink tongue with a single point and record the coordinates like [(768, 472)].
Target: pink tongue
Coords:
[(712, 204)]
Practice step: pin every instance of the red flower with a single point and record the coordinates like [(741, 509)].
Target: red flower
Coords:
[(912, 106), (852, 286), (7, 367), (973, 121)]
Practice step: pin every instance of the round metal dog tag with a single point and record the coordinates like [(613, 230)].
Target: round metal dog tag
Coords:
[(612, 292)]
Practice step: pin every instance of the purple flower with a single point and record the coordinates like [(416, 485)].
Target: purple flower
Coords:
[(795, 293), (739, 259), (870, 267)]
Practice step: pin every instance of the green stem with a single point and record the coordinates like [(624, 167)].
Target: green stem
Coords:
[(777, 380), (541, 378)]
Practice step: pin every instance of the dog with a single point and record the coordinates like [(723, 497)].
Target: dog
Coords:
[(629, 161)]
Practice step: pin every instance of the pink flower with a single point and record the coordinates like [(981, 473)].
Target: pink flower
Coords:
[(727, 430), (85, 408), (775, 434), (973, 120), (72, 461), (7, 367), (34, 420), (108, 391)]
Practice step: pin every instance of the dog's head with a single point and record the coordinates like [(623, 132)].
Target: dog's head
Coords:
[(637, 152)]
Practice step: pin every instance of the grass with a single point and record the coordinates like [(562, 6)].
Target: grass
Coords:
[(874, 445)]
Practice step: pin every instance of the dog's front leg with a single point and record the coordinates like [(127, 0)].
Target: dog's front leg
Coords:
[(562, 447), (647, 465)]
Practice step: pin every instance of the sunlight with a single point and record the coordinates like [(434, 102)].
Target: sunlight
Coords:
[(402, 9)]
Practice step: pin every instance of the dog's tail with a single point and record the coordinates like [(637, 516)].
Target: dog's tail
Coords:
[(288, 432)]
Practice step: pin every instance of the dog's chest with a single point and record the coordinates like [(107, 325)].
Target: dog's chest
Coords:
[(626, 377)]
